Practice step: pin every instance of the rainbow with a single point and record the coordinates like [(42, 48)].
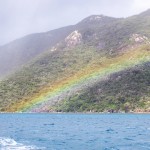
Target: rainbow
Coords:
[(96, 71)]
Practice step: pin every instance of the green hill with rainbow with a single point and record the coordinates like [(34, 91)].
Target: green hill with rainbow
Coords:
[(101, 64)]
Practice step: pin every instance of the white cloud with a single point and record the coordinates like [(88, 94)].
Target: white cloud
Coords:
[(140, 5)]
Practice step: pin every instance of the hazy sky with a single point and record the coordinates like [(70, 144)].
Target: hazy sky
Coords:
[(21, 17)]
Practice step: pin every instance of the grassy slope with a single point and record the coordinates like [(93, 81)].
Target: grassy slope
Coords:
[(43, 73), (127, 90), (76, 69)]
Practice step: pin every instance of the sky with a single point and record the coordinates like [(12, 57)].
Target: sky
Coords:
[(22, 17)]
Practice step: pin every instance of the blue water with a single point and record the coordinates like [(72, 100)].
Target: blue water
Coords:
[(74, 132)]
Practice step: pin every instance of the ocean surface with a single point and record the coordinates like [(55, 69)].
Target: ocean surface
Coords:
[(74, 132)]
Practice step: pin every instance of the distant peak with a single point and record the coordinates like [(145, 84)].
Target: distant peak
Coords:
[(96, 19)]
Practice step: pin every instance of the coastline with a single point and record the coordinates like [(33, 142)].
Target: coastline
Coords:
[(133, 112)]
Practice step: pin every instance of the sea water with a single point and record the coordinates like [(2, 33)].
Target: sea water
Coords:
[(74, 132)]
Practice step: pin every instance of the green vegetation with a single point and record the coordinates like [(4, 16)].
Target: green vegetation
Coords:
[(44, 71), (123, 91)]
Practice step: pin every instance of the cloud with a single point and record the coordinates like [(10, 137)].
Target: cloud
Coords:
[(141, 5), (22, 17)]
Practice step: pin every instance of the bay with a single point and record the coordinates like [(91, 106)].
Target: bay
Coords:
[(74, 132)]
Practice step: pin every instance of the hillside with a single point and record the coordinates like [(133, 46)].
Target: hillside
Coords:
[(101, 65), (128, 90), (21, 51)]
